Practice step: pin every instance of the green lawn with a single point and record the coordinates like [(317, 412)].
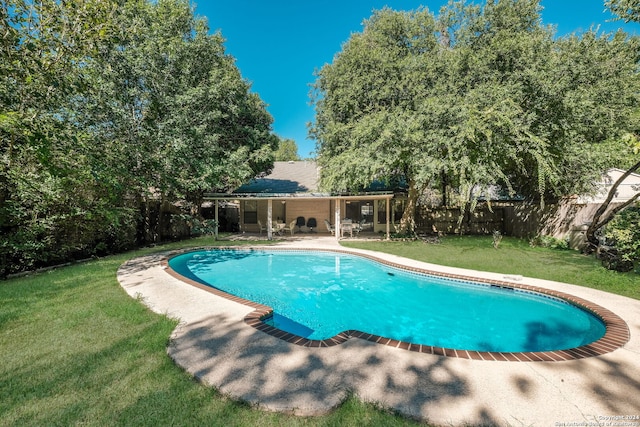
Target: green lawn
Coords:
[(513, 256), (76, 349)]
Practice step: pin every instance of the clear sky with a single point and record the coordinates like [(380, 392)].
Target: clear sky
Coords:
[(278, 44)]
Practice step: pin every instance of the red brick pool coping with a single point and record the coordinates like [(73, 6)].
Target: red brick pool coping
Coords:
[(616, 334)]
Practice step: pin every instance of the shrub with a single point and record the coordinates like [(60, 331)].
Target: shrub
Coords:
[(197, 226), (549, 242), (61, 238), (497, 238), (623, 235)]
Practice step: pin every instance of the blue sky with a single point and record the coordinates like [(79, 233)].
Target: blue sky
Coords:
[(278, 44)]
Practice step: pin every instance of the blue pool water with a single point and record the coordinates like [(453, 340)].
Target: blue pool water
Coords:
[(320, 294)]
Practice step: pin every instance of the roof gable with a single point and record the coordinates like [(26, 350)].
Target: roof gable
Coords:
[(285, 178)]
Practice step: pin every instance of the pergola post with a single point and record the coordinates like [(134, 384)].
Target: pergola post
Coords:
[(269, 217), (388, 216)]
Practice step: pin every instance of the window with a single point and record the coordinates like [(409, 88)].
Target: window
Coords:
[(366, 212), (250, 211)]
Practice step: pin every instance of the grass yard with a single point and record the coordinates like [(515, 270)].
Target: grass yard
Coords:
[(513, 256), (77, 350)]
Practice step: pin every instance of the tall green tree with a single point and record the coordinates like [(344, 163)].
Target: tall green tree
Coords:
[(287, 150), (47, 196), (366, 123), (105, 104), (475, 96), (629, 10), (174, 107)]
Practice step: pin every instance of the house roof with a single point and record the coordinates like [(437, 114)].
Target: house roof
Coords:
[(285, 178), (293, 180)]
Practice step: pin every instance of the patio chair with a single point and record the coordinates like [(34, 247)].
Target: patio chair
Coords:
[(358, 227), (291, 227), (278, 227), (300, 222), (311, 224), (346, 225), (261, 227), (330, 228)]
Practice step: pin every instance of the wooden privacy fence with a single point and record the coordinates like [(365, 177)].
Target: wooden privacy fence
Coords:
[(517, 219), (567, 218), (451, 221)]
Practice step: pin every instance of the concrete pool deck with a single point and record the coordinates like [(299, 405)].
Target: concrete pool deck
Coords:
[(215, 345)]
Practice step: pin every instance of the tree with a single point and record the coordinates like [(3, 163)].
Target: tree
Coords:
[(48, 199), (173, 109), (287, 150), (478, 95), (106, 104), (602, 217), (629, 10), (365, 126)]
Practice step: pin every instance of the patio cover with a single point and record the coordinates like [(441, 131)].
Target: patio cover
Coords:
[(295, 181)]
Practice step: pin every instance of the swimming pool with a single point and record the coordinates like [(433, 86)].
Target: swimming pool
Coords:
[(318, 295)]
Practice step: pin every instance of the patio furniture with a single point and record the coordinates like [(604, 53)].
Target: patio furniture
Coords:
[(291, 227), (311, 224), (358, 227), (261, 227), (346, 225), (330, 228), (278, 227), (300, 222)]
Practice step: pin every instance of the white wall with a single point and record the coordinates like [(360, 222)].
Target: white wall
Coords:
[(626, 190)]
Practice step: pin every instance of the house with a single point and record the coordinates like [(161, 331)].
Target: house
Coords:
[(291, 193), (627, 189), (570, 218)]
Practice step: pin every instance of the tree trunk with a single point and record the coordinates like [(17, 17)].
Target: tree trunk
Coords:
[(445, 201), (600, 219), (195, 202), (408, 221), (148, 226), (162, 231)]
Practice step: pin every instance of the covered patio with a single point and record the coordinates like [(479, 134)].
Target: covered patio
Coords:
[(340, 215), (287, 201)]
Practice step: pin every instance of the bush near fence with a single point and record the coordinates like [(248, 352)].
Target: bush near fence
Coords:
[(57, 240)]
